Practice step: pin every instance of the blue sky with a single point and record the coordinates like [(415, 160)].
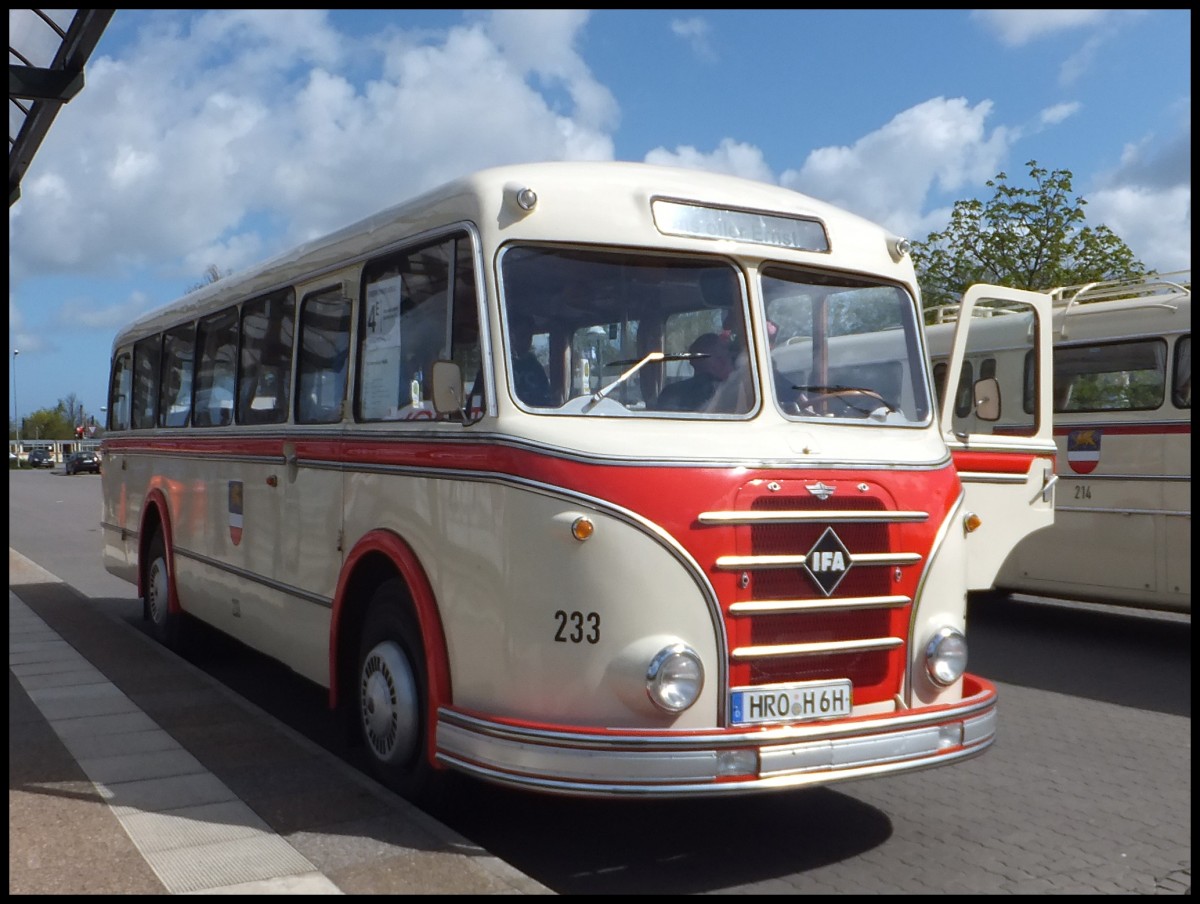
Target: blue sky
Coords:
[(220, 137)]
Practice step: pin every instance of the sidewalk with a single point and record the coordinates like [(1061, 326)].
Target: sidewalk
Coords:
[(131, 772)]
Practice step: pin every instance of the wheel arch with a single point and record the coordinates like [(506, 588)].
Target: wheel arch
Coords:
[(378, 556), (155, 519)]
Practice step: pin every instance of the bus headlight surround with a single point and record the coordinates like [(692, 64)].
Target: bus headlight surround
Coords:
[(675, 678), (946, 656)]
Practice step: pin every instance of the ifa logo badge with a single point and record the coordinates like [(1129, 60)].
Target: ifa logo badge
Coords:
[(828, 561)]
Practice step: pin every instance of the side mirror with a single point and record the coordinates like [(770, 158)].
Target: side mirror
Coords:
[(987, 399), (448, 388)]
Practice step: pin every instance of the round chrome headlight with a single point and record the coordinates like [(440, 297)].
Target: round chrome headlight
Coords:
[(675, 678), (946, 656)]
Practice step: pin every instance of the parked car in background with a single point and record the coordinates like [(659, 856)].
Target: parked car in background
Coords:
[(79, 462), (41, 458)]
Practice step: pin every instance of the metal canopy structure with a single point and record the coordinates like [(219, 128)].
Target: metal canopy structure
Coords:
[(47, 49)]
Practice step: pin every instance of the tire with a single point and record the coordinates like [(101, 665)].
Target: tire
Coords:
[(156, 602), (391, 699)]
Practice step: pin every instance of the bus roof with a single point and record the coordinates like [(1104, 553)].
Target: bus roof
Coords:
[(577, 201)]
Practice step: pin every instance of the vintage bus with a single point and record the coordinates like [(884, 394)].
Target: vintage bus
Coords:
[(1122, 394), (428, 462)]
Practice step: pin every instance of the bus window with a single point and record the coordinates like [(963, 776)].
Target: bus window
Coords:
[(216, 371), (118, 394), (410, 322), (1181, 387), (175, 393), (587, 311), (145, 382), (266, 360), (844, 348), (1111, 376), (324, 346)]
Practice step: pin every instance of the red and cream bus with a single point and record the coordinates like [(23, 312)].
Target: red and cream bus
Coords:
[(1122, 422), (435, 463)]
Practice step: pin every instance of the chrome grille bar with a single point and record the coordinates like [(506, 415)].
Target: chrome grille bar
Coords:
[(795, 516), (817, 649), (782, 607)]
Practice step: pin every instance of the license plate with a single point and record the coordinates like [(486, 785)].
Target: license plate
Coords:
[(791, 702)]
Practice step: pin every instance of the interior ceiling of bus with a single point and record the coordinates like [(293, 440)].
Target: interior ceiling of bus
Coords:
[(47, 50)]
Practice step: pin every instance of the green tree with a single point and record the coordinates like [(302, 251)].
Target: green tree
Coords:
[(1024, 237)]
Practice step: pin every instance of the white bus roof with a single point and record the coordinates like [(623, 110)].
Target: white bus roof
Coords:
[(601, 202)]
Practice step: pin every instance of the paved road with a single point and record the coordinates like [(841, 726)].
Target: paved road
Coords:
[(1087, 789)]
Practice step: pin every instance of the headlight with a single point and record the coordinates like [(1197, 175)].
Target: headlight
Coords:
[(946, 656), (675, 678)]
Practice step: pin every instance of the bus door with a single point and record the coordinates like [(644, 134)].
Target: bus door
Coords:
[(1002, 438)]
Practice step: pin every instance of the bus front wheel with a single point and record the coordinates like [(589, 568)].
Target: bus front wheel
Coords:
[(391, 695), (156, 600)]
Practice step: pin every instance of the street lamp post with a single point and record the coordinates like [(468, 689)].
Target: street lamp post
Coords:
[(16, 406)]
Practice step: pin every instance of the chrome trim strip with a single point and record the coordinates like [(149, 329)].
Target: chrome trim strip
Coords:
[(816, 649), (1031, 445), (1173, 478), (776, 607), (670, 765), (254, 577), (731, 562), (884, 558), (1115, 511), (454, 433), (991, 477), (728, 563), (788, 517)]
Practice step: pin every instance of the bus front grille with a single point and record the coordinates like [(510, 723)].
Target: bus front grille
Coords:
[(824, 590)]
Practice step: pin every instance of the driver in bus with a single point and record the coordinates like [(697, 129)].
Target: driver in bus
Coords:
[(709, 370), (529, 377)]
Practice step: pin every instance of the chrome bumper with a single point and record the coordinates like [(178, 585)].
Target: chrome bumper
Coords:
[(644, 764)]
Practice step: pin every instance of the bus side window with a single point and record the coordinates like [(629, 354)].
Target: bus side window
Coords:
[(175, 391), (964, 400), (419, 307), (265, 368), (145, 382), (118, 394), (216, 375), (324, 348), (1181, 387)]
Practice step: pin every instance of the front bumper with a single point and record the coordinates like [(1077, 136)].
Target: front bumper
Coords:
[(689, 764)]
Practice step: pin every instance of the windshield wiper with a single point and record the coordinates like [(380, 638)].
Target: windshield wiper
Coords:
[(625, 375)]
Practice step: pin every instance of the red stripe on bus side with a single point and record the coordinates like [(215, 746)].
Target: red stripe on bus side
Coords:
[(997, 462), (1130, 429)]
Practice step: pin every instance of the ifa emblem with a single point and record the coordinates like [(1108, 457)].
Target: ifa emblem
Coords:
[(828, 561)]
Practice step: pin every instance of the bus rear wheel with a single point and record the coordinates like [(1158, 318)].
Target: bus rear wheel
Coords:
[(391, 697), (156, 601)]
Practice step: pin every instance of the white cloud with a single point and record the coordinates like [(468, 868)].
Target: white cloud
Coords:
[(267, 117), (696, 32), (1147, 200), (734, 158), (888, 175), (1156, 224), (1017, 27), (1052, 116)]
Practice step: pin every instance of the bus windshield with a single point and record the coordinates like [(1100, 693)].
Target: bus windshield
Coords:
[(613, 332), (844, 348)]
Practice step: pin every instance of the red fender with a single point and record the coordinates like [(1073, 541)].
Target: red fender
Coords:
[(158, 499), (433, 638)]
